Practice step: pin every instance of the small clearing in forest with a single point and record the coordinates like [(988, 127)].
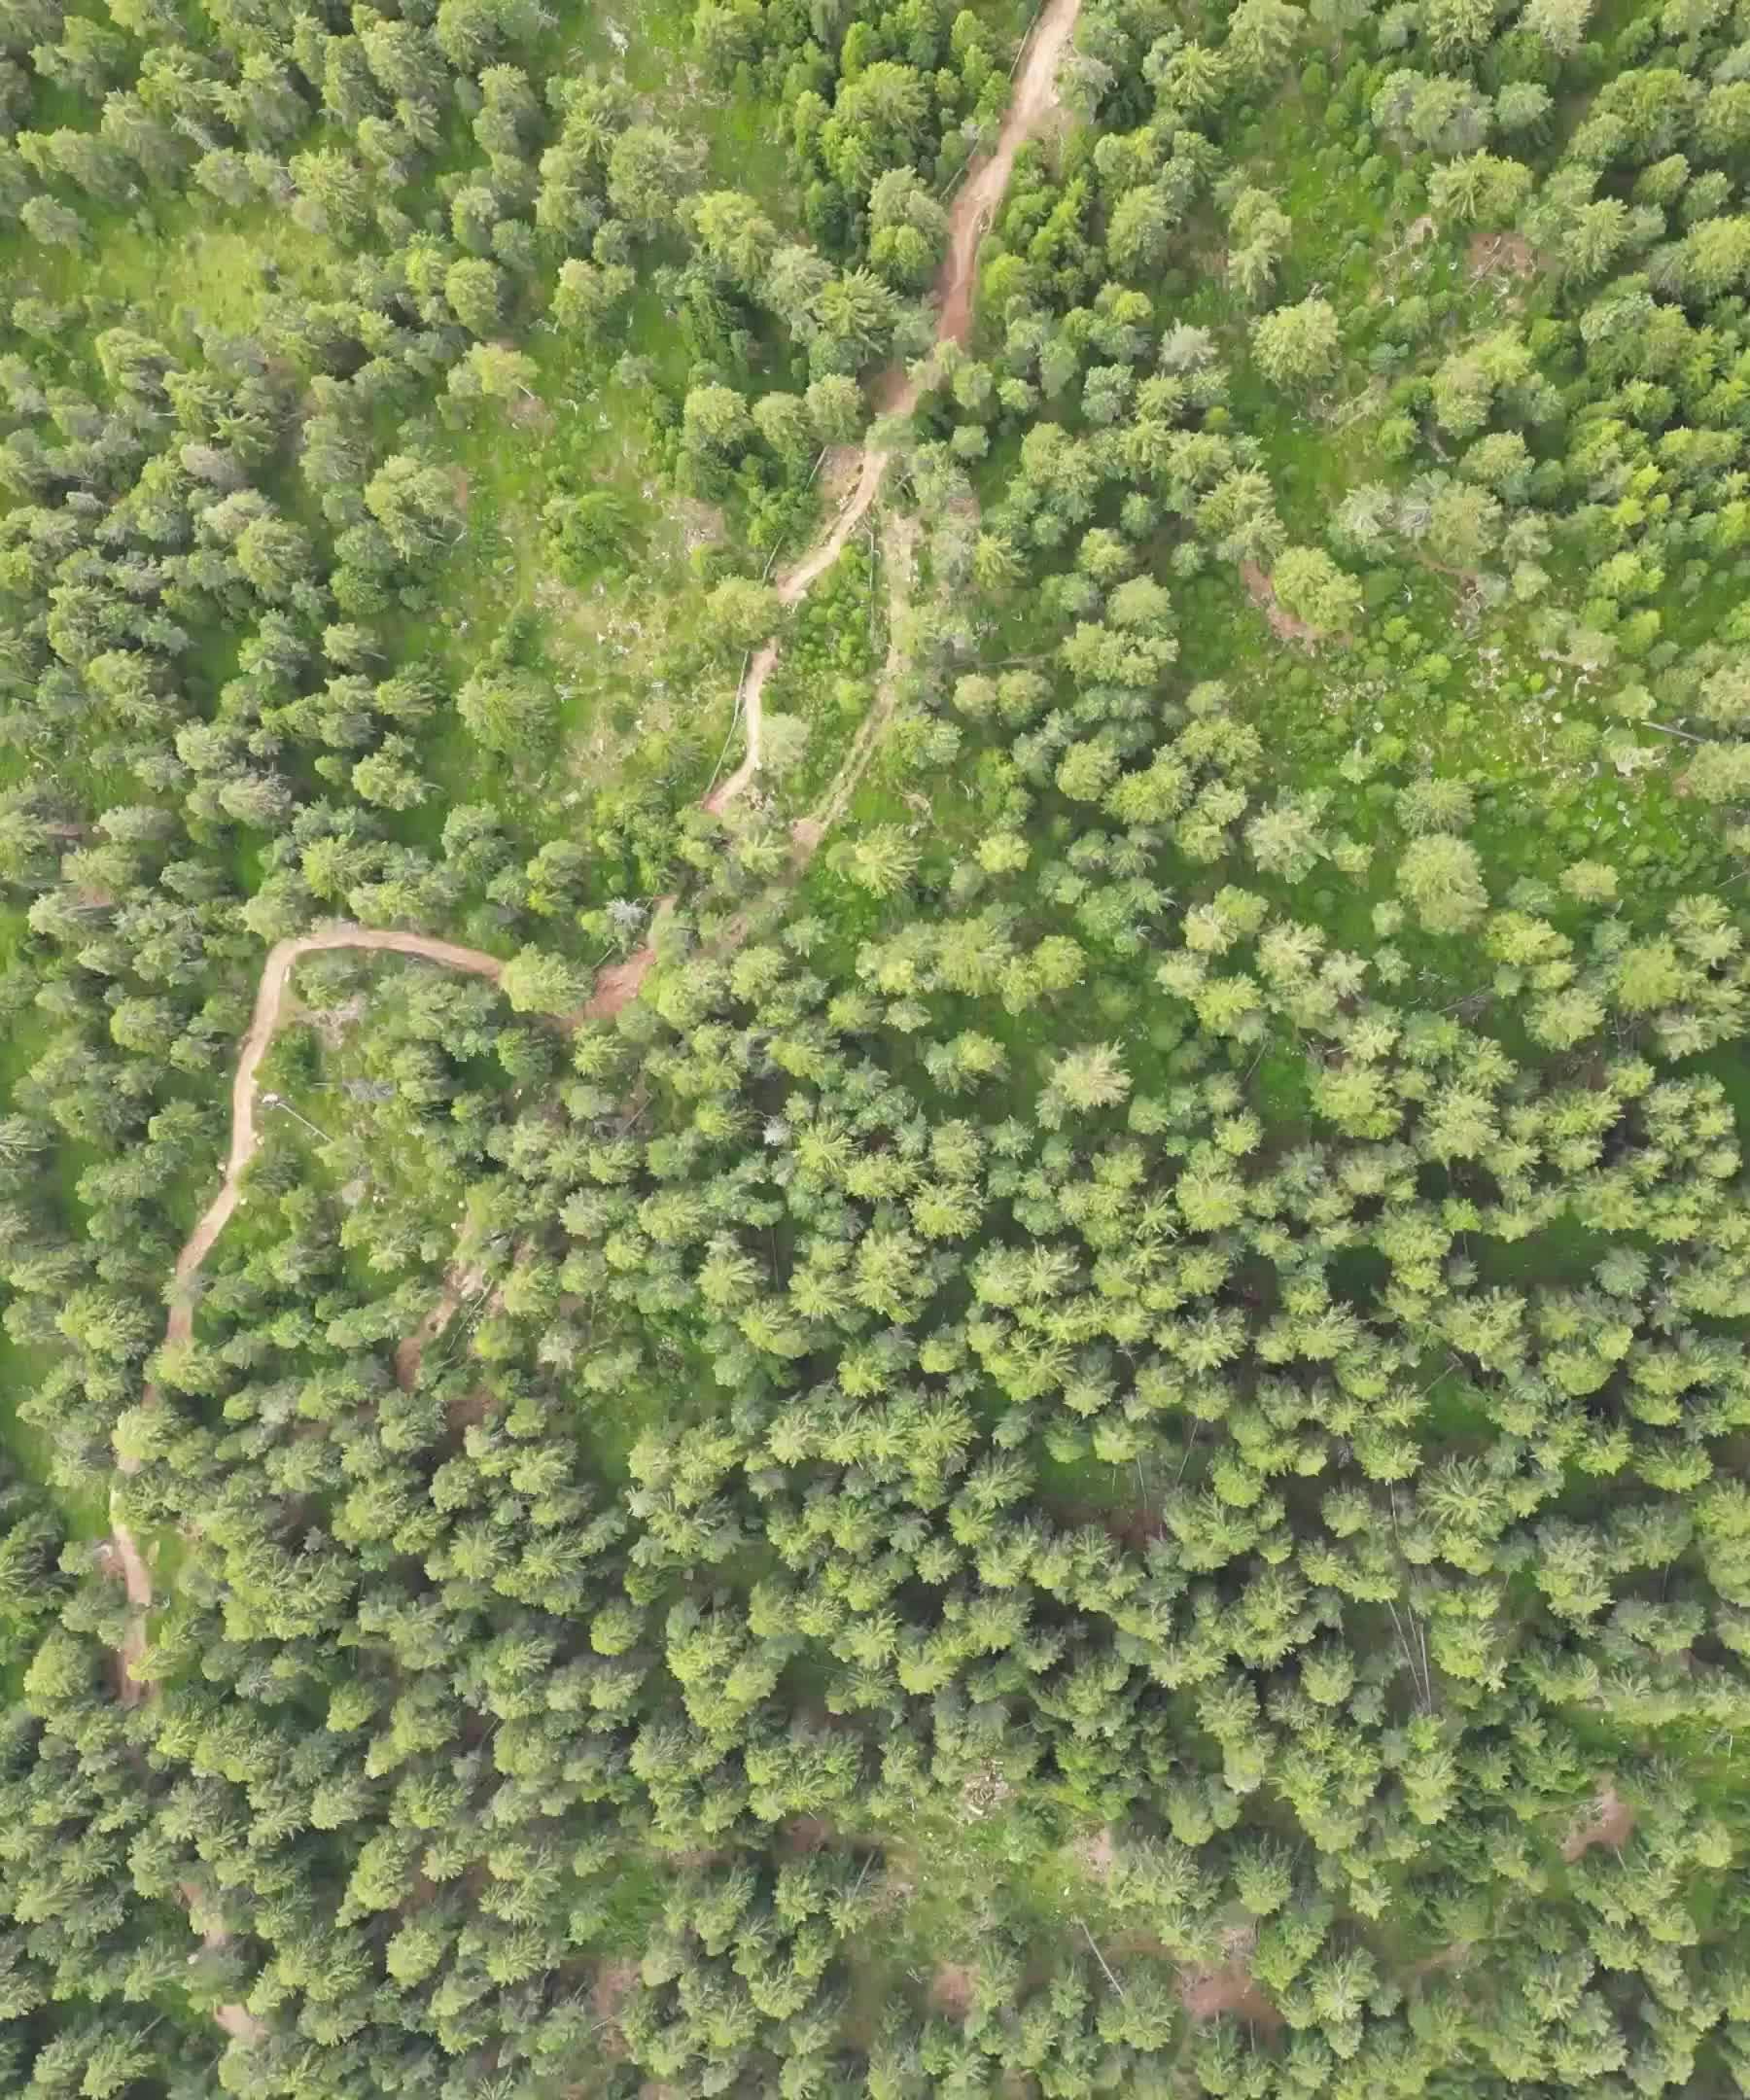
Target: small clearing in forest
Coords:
[(1608, 1820)]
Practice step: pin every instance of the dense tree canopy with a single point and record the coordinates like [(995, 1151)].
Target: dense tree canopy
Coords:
[(986, 1329)]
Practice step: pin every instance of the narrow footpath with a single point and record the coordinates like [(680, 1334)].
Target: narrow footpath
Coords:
[(896, 393)]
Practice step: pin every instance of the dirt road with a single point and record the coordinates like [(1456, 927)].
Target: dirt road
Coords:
[(896, 392), (1033, 99), (122, 1552), (1030, 109), (269, 1003)]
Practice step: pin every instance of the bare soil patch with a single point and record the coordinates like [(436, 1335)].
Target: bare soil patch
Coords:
[(839, 472), (1262, 593), (1212, 1992), (984, 1789), (701, 523), (953, 1987), (474, 1407), (1608, 1820), (1229, 1987), (613, 1979), (1508, 255), (618, 985), (528, 411), (121, 1555), (409, 1352), (1447, 1962), (1098, 1852)]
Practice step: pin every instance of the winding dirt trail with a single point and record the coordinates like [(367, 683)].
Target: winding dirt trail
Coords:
[(898, 543), (121, 1554), (613, 989), (236, 2020), (1030, 109), (269, 1005), (409, 1351), (896, 392), (270, 1000)]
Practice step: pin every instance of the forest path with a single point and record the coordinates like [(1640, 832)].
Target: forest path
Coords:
[(1033, 99), (1030, 106), (122, 1551), (271, 991), (895, 391), (898, 548)]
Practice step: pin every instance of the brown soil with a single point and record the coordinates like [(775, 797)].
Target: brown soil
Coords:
[(795, 582), (952, 1989), (460, 1287), (1030, 107), (1262, 593), (701, 523), (472, 1407), (1143, 1944), (409, 1352), (986, 1789), (612, 1981), (236, 2020), (1098, 1853), (1228, 1988), (618, 985), (121, 1556), (1509, 254), (1448, 1961), (896, 392), (1607, 1821), (839, 473), (215, 1937)]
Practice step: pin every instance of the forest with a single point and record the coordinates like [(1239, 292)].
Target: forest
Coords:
[(873, 1070)]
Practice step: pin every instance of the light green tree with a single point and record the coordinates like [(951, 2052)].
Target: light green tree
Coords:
[(1442, 878), (1309, 584), (1297, 346)]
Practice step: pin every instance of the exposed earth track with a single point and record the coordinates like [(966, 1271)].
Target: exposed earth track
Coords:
[(896, 393), (1031, 103)]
